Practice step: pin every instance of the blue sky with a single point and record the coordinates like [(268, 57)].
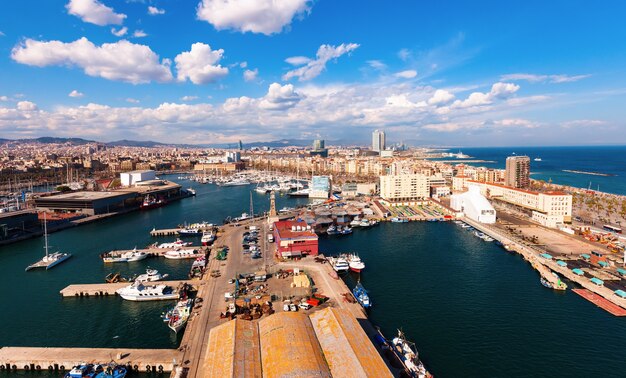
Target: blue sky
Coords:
[(484, 73)]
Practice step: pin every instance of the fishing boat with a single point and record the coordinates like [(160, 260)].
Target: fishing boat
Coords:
[(129, 256), (179, 316), (406, 352), (189, 231), (332, 230), (180, 254), (340, 264), (82, 370), (545, 283), (361, 296), (50, 259), (207, 238), (151, 275), (140, 293), (176, 244), (355, 263), (345, 230), (399, 220), (113, 371), (151, 202)]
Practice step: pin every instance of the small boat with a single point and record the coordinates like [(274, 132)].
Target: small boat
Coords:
[(50, 259), (151, 202), (180, 254), (340, 264), (399, 220), (300, 193), (355, 263), (113, 371), (151, 275), (366, 223), (407, 353), (179, 316), (346, 230), (140, 293), (82, 370), (244, 216), (191, 191), (129, 256), (207, 238), (537, 159), (332, 230), (545, 283), (356, 222), (361, 296), (176, 244), (188, 231)]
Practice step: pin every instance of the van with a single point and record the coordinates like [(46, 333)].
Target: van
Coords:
[(270, 238)]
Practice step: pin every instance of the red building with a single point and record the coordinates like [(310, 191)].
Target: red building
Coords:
[(294, 238)]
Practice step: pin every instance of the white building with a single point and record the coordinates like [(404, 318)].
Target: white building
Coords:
[(133, 177), (474, 205), (378, 141), (320, 187), (404, 189)]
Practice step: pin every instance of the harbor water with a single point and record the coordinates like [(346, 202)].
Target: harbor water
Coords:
[(472, 308)]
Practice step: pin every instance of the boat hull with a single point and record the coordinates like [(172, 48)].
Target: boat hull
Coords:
[(136, 298)]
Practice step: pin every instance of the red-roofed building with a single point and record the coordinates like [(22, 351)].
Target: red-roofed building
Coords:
[(294, 239)]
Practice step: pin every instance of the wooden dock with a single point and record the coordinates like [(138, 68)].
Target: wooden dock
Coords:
[(63, 359), (108, 289)]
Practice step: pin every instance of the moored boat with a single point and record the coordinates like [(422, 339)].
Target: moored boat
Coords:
[(207, 238), (407, 353), (179, 316), (361, 295), (151, 202), (176, 244), (399, 220), (113, 371), (180, 254), (332, 230), (189, 231), (340, 264), (128, 256), (151, 275), (355, 262), (50, 259), (82, 370), (139, 292)]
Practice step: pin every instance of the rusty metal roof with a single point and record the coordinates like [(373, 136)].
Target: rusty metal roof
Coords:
[(347, 349), (234, 350)]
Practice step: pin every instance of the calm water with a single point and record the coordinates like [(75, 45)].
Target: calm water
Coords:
[(472, 309), (603, 159)]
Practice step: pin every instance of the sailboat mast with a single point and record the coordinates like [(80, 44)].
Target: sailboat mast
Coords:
[(45, 233), (251, 205)]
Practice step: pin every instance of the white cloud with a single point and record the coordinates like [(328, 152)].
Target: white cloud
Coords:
[(200, 65), (4, 98), (579, 123), (118, 33), (94, 12), (280, 97), (2, 34), (139, 34), (188, 98), (315, 67), (377, 65), (130, 100), (26, 106), (533, 78), (404, 54), (515, 122), (498, 91), (408, 74), (440, 97), (250, 75), (298, 60), (243, 64), (76, 94), (256, 16), (122, 60), (522, 101), (153, 11)]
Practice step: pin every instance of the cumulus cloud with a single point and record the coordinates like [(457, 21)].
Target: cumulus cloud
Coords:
[(139, 34), (250, 75), (313, 68), (188, 98), (121, 61), (76, 94), (200, 64), (408, 74), (94, 12), (26, 106), (280, 97), (153, 11), (119, 32), (256, 16), (534, 78), (498, 91), (298, 60), (4, 98), (440, 97)]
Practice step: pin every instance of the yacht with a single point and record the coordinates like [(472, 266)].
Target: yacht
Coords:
[(346, 230), (129, 256), (176, 244), (340, 264), (207, 238), (180, 254), (189, 231), (50, 259), (332, 230), (140, 293), (356, 222), (191, 191), (151, 275), (179, 316), (537, 159), (355, 263)]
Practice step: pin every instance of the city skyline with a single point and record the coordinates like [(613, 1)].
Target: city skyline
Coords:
[(205, 72)]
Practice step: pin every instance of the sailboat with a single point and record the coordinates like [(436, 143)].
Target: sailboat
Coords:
[(50, 259)]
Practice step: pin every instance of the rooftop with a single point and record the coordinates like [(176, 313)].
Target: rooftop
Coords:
[(285, 230)]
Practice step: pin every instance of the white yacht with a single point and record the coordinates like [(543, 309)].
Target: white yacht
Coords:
[(180, 254), (129, 256), (340, 264), (176, 244), (355, 263), (151, 275), (140, 293), (207, 238), (50, 259)]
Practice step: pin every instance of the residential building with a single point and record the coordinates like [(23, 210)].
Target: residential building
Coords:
[(517, 174), (404, 189)]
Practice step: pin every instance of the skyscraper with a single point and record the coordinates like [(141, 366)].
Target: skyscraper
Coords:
[(378, 141), (319, 149), (517, 173)]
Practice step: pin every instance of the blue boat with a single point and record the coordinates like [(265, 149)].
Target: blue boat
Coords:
[(113, 371), (83, 370), (361, 295)]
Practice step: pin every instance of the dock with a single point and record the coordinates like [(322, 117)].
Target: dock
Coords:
[(154, 252), (63, 359), (601, 302), (108, 289), (174, 231)]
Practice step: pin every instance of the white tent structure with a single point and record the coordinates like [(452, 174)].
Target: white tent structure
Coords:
[(474, 205)]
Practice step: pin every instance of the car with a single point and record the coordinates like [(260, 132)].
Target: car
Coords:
[(293, 307), (304, 306), (228, 295), (231, 281), (286, 305)]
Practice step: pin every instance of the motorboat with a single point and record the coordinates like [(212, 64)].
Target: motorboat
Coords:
[(179, 316), (191, 191), (407, 353), (399, 220), (244, 216), (189, 231), (355, 263), (151, 275), (128, 256), (207, 238), (356, 222), (176, 244), (180, 254), (340, 264), (332, 230), (82, 370), (361, 295), (113, 371), (50, 259), (345, 230), (139, 292)]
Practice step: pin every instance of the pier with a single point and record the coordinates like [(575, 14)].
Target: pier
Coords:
[(155, 252), (63, 359), (108, 289)]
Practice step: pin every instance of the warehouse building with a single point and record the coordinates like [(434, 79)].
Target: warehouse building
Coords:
[(294, 239)]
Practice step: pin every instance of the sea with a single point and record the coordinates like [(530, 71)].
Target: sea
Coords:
[(472, 309), (610, 160)]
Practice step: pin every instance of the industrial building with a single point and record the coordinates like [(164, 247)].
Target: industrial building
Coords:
[(474, 205), (404, 189), (294, 239), (517, 173), (16, 220), (131, 178), (328, 343)]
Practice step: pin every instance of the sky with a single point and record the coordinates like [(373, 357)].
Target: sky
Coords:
[(444, 73)]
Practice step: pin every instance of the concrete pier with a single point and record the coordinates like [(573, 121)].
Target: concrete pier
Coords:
[(153, 252), (108, 289), (63, 359)]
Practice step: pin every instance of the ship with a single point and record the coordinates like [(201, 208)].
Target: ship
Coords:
[(355, 262), (151, 202), (129, 256), (207, 238), (180, 254), (189, 231), (50, 259), (179, 316), (361, 295), (340, 264), (176, 244), (139, 293), (404, 351)]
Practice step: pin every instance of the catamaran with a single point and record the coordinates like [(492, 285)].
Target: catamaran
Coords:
[(50, 259)]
